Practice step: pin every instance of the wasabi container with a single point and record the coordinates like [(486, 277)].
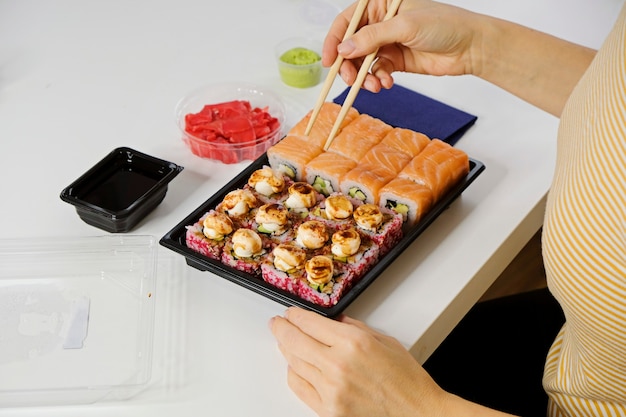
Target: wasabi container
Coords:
[(299, 64)]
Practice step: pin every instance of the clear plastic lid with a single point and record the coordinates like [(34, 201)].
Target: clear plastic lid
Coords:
[(76, 318)]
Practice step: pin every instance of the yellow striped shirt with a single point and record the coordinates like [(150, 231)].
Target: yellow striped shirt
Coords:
[(584, 241)]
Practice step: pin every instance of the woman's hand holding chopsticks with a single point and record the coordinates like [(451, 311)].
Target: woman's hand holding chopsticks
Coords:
[(423, 37)]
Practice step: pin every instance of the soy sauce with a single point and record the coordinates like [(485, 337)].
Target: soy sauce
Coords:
[(119, 190)]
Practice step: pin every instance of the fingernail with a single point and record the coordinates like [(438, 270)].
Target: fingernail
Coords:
[(270, 323), (346, 47)]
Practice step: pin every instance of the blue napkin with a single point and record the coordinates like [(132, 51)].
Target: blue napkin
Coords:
[(401, 107)]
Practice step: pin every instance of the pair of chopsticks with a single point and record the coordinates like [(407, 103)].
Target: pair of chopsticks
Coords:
[(360, 78)]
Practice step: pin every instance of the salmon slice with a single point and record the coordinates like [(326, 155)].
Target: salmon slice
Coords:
[(439, 165), (323, 124), (359, 136), (450, 159), (434, 146), (385, 156), (406, 140), (424, 171)]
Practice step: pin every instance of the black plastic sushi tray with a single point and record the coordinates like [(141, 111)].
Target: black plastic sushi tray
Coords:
[(175, 240)]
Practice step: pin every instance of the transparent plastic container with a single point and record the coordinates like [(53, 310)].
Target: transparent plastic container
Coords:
[(76, 319), (299, 62), (235, 151)]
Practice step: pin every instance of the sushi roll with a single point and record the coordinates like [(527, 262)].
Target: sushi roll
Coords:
[(359, 136), (381, 225), (335, 211), (208, 235), (364, 182), (323, 123), (452, 162), (353, 252), (291, 155), (326, 171), (268, 185), (239, 205), (272, 220), (284, 267), (312, 235), (439, 166), (338, 207), (244, 251), (319, 272), (406, 140), (216, 225), (410, 199), (424, 171), (324, 284), (301, 198), (345, 243)]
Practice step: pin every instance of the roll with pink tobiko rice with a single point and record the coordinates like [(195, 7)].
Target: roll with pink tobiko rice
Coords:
[(209, 235), (383, 226), (245, 251), (335, 211), (284, 267), (324, 284), (354, 253), (269, 185), (240, 205)]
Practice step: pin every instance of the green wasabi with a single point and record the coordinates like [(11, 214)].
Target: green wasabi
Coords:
[(300, 56), (303, 67)]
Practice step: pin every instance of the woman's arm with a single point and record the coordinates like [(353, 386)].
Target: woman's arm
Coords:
[(344, 368), (427, 37), (539, 68)]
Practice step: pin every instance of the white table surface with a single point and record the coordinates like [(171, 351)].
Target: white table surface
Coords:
[(79, 78)]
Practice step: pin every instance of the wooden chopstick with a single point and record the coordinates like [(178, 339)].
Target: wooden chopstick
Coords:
[(334, 69), (354, 90)]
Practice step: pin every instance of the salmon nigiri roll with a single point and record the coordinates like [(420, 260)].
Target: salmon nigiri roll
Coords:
[(423, 171), (325, 171), (363, 182), (454, 162), (439, 166), (290, 156), (410, 199)]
